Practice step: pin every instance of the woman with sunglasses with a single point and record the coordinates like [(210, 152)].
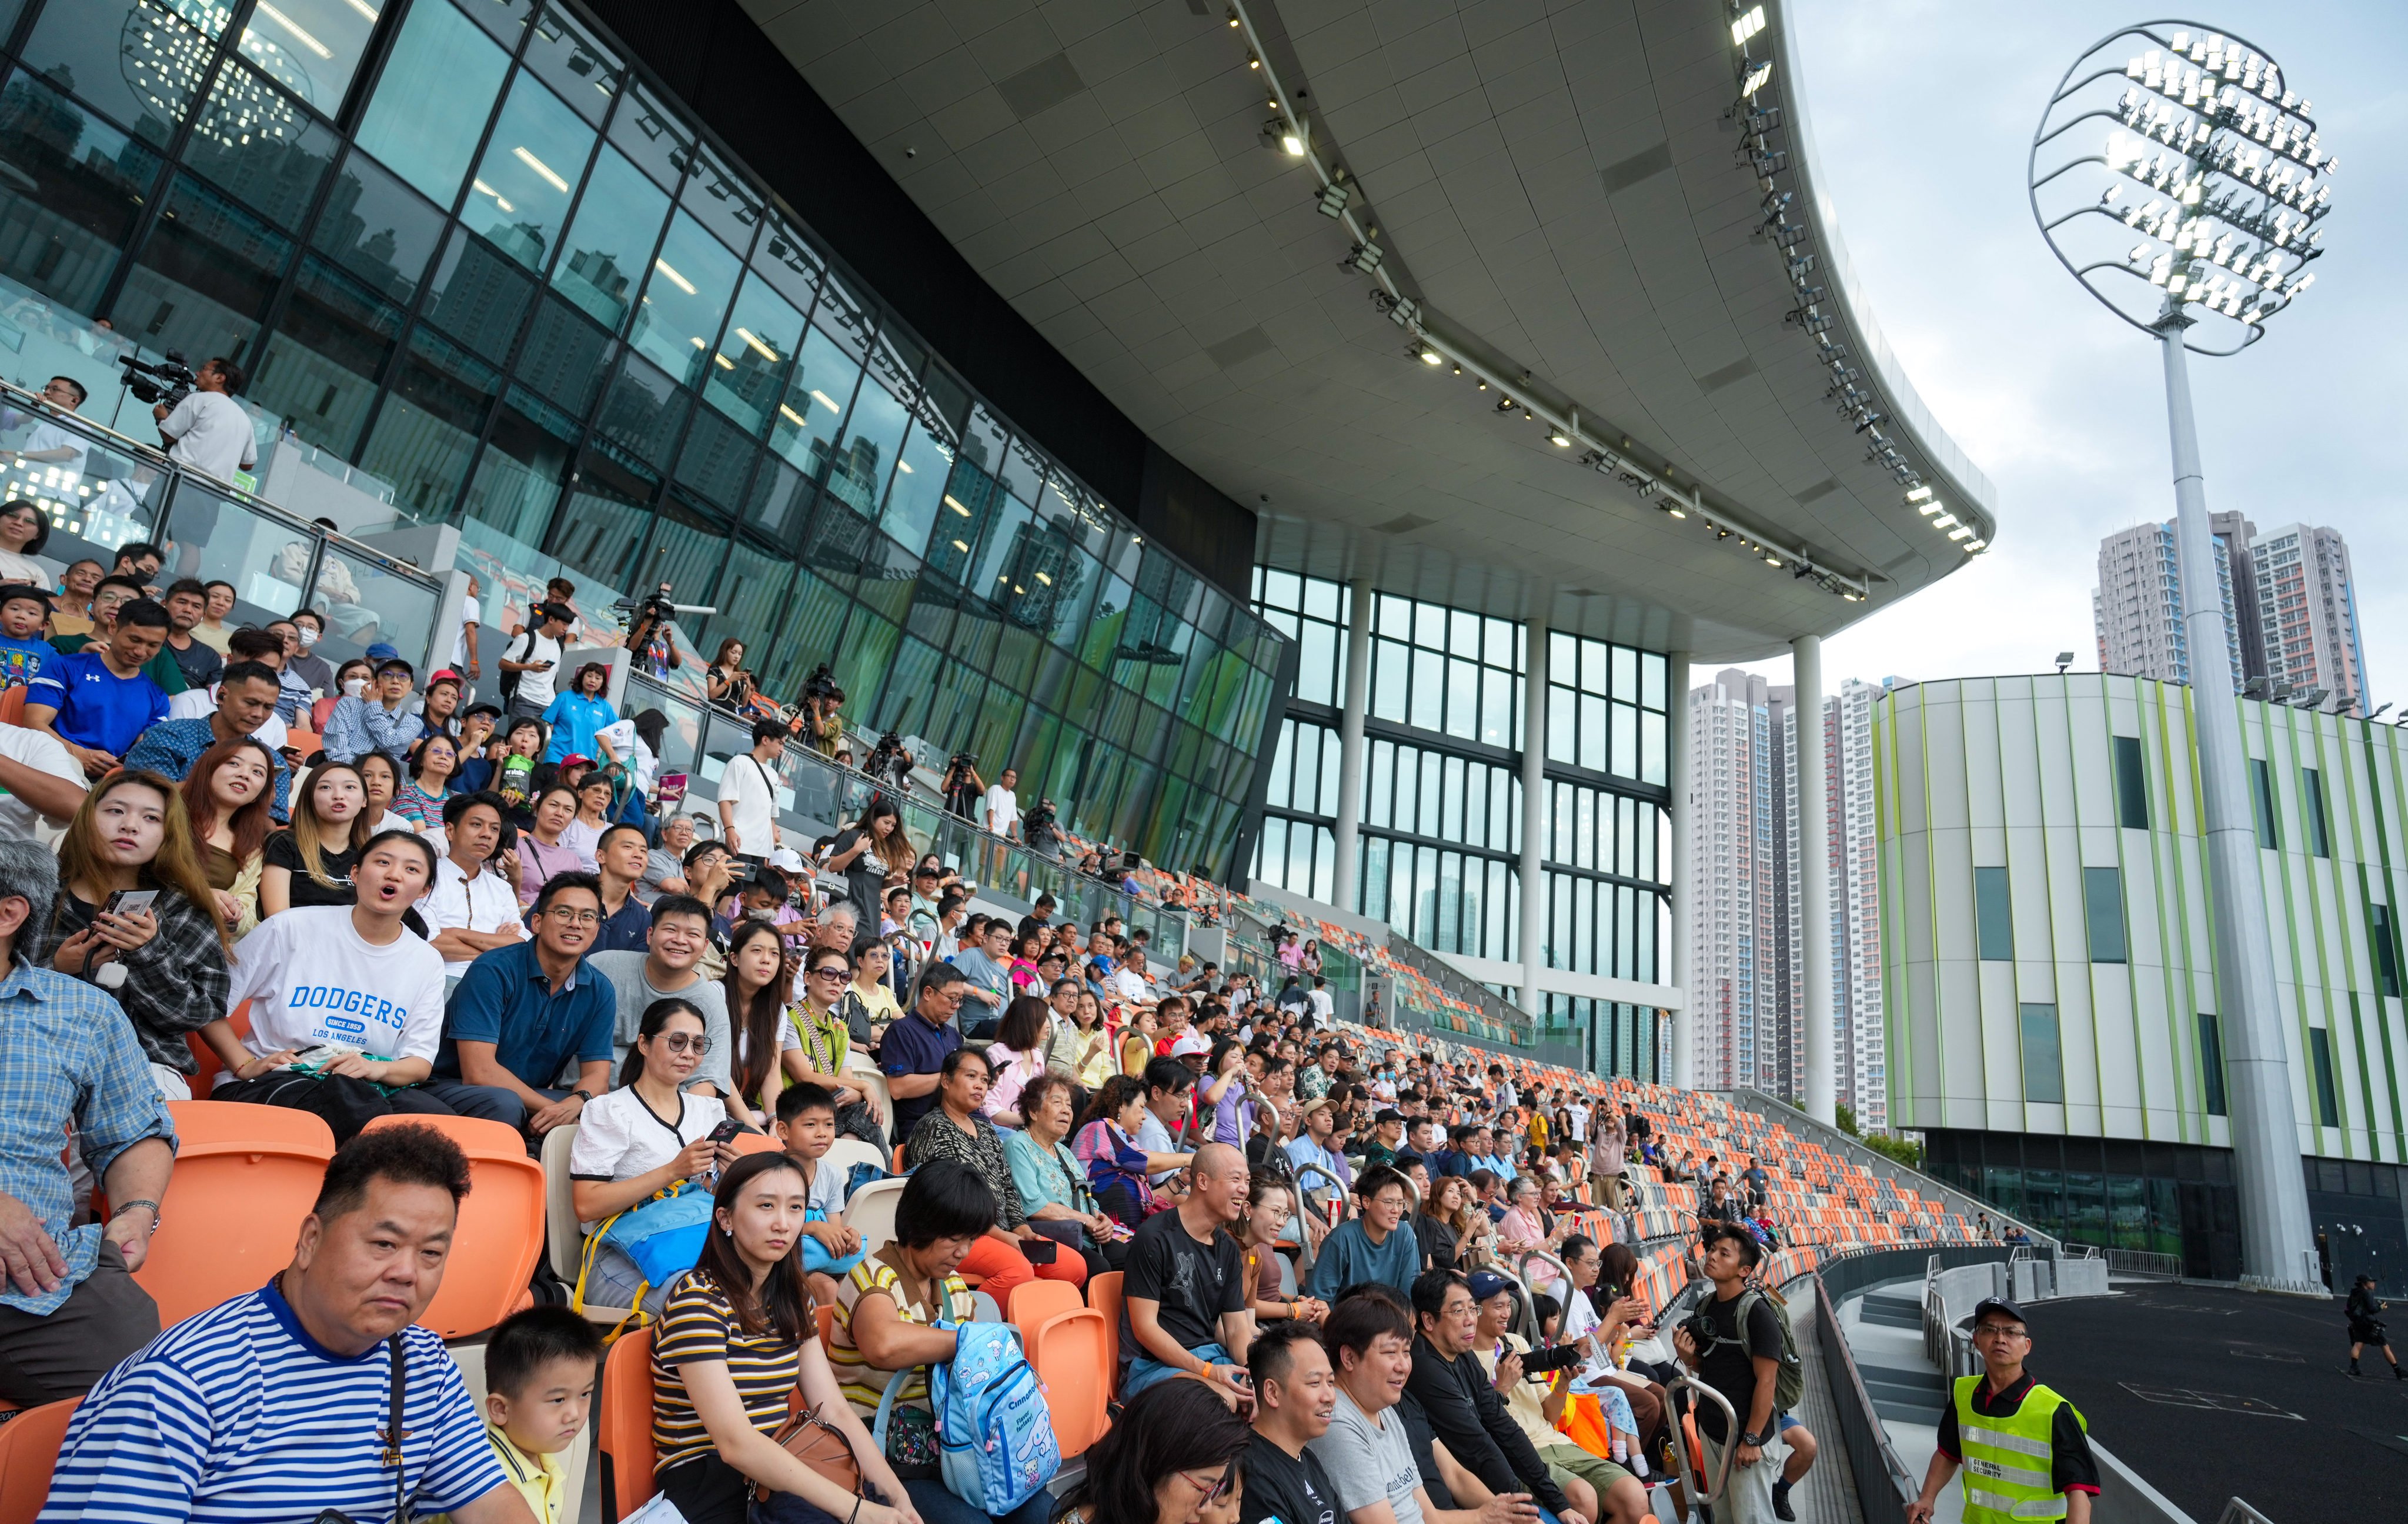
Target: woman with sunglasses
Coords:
[(818, 1018), (643, 1136), (1172, 1457)]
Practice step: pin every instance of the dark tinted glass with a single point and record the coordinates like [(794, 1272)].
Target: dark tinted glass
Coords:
[(329, 349), (204, 276), (378, 229), (136, 60), (478, 294), (78, 187)]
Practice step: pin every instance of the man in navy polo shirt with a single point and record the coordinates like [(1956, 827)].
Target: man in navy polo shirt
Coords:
[(915, 1049), (521, 1012)]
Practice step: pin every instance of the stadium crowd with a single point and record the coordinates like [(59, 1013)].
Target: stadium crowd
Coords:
[(1339, 1271)]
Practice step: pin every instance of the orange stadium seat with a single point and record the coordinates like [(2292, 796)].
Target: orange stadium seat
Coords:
[(500, 1236), (623, 1431), (245, 1177), (1073, 1357), (29, 1450), (1104, 1295), (1034, 1303)]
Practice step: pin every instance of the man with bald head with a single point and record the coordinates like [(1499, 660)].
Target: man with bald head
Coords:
[(1184, 1304)]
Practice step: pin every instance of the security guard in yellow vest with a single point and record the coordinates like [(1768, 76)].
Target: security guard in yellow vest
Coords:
[(2025, 1450)]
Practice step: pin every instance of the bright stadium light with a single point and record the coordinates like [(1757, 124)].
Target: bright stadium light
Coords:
[(2191, 139)]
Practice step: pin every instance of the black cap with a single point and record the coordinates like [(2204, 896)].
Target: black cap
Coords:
[(1387, 1115), (1999, 1305)]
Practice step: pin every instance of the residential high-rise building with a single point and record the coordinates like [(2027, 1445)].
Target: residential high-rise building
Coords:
[(1748, 965), (2137, 606), (1738, 883), (2307, 606), (2290, 608)]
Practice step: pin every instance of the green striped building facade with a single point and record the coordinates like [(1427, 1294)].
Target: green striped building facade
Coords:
[(2053, 1026)]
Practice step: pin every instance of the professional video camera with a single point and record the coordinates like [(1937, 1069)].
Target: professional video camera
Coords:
[(960, 763), (171, 381), (890, 759), (821, 686)]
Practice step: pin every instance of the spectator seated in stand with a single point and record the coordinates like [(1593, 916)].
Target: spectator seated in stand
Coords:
[(1373, 1246), (246, 704), (1012, 1253), (521, 1014), (99, 702)]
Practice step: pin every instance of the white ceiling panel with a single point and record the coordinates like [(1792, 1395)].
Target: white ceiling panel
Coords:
[(1556, 186)]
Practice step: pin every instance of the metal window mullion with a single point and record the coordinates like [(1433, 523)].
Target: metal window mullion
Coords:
[(173, 152)]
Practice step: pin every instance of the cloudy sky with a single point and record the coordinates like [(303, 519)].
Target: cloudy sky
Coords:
[(1923, 114)]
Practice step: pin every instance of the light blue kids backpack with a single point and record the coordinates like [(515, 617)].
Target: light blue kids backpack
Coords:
[(993, 1431)]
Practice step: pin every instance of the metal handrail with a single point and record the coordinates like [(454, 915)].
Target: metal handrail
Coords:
[(1306, 1252), (1870, 1452), (1731, 1431)]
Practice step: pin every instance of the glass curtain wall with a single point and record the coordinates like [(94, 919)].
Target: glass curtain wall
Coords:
[(1442, 802), (465, 247)]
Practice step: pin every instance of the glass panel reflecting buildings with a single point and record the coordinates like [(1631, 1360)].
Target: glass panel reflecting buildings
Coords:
[(1441, 820), (461, 245)]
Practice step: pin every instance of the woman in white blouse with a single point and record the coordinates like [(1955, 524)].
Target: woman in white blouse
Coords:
[(644, 1137)]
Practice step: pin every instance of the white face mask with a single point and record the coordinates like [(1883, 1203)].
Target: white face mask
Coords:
[(308, 637), (354, 686)]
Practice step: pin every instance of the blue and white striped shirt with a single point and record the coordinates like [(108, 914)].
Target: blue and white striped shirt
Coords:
[(239, 1415)]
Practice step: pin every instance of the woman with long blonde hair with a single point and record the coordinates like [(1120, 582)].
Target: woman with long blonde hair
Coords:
[(310, 862), (228, 795), (133, 838)]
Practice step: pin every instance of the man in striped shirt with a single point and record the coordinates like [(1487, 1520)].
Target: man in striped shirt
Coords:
[(280, 1404)]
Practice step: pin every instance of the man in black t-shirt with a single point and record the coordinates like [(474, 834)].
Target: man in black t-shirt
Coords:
[(1295, 1393), (1183, 1305), (1744, 1365)]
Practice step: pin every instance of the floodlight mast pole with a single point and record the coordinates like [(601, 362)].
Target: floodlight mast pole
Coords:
[(2277, 1241)]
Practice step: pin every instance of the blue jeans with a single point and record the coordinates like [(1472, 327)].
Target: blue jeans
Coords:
[(490, 1101), (1144, 1370)]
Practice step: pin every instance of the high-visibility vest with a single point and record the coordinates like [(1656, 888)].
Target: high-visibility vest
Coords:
[(2008, 1475)]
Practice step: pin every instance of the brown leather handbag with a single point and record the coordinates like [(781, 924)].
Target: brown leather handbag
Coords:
[(820, 1446)]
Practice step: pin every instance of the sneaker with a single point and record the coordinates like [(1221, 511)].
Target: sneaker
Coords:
[(2399, 1374), (1781, 1508), (2353, 1369)]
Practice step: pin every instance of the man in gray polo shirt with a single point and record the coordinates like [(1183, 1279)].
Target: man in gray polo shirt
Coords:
[(680, 932)]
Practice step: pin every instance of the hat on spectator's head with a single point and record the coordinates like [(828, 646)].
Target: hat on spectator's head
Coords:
[(383, 651), (1190, 1043), (577, 759), (1999, 1305), (925, 871), (786, 860), (1099, 966), (1387, 1115), (440, 674), (1487, 1283)]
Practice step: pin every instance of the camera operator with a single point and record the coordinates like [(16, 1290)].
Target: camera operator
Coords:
[(823, 727), (207, 431), (649, 639), (1041, 828), (963, 786)]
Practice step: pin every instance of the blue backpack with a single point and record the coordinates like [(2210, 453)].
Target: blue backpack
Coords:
[(994, 1433)]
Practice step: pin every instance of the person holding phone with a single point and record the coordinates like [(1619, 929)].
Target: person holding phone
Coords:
[(1010, 1253), (640, 1139), (136, 916)]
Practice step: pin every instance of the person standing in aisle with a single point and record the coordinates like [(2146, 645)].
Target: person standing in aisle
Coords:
[(2000, 1426), (533, 658)]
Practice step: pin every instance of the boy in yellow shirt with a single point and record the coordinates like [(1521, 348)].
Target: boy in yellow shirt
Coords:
[(541, 1369)]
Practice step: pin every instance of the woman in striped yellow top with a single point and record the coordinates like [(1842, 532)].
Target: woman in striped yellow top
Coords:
[(882, 1334), (736, 1337)]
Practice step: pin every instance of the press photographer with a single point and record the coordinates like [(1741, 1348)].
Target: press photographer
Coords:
[(198, 418), (650, 632), (823, 716), (1041, 829), (890, 762), (963, 785)]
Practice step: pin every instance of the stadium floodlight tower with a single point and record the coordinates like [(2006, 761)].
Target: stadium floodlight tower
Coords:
[(2180, 179)]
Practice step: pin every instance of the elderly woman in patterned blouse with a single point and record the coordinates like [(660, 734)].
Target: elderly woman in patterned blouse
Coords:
[(1012, 1252)]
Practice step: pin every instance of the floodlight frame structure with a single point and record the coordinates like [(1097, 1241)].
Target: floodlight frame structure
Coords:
[(2277, 1236)]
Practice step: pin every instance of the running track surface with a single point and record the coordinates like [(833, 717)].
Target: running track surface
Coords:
[(2211, 1394)]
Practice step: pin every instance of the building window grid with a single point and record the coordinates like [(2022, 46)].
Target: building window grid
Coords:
[(1176, 647), (1439, 834)]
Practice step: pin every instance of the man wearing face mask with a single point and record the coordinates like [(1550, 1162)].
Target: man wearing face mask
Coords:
[(314, 670)]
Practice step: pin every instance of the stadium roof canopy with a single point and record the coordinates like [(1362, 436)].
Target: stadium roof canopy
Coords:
[(1575, 198)]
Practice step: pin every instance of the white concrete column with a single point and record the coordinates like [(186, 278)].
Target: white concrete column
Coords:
[(1350, 740), (1534, 798), (1815, 876), (1680, 768)]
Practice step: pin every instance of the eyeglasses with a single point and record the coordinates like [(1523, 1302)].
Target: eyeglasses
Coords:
[(1216, 1491), (686, 1042), (569, 915), (829, 971), (2000, 1331)]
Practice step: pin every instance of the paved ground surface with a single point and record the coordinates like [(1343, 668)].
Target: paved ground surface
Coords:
[(2211, 1394)]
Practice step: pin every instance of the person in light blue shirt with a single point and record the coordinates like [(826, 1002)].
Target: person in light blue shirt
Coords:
[(1371, 1246), (578, 717), (69, 1055), (1311, 1145)]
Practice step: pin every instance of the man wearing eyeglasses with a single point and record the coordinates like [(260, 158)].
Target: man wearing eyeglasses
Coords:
[(2026, 1450), (912, 1053), (521, 1012)]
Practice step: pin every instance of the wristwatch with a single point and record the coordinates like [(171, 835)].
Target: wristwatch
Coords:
[(1759, 1441), (582, 1094)]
